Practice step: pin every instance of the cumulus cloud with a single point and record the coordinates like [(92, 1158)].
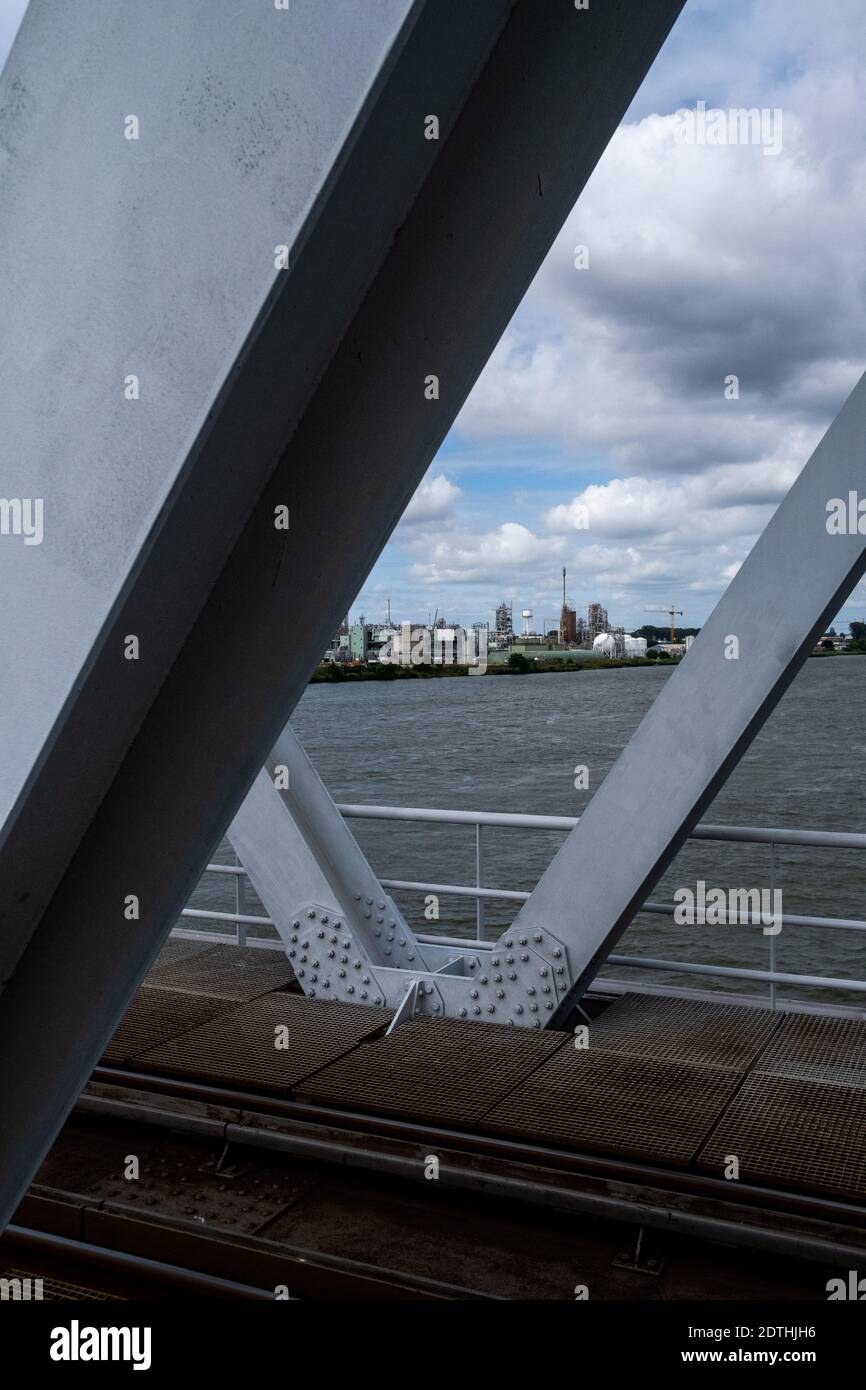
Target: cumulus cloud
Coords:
[(704, 262), (434, 500), (485, 558)]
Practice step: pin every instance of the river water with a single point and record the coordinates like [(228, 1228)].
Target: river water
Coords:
[(512, 743)]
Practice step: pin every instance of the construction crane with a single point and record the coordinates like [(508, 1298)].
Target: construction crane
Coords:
[(672, 614)]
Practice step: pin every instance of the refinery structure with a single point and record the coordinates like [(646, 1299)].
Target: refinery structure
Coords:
[(575, 636)]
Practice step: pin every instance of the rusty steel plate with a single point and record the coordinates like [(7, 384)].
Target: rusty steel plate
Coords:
[(180, 1179), (684, 1030), (607, 1102), (436, 1069), (155, 1016), (786, 1131), (240, 1048), (226, 972), (818, 1049)]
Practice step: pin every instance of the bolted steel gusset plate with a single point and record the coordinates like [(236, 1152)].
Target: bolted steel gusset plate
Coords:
[(270, 1043), (226, 972), (684, 1030), (784, 1130), (614, 1103), (157, 1015), (818, 1049), (330, 961), (441, 1070)]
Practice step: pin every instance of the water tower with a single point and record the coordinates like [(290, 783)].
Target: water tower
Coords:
[(527, 621)]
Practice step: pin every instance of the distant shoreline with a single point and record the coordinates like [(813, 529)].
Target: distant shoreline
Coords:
[(327, 673), (333, 673)]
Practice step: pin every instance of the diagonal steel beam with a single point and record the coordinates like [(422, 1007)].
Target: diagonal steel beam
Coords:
[(794, 581), (344, 935), (304, 391)]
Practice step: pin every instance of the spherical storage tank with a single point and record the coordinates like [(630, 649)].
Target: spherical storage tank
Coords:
[(635, 646), (604, 644)]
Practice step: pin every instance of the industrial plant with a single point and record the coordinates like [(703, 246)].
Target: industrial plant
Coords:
[(575, 636)]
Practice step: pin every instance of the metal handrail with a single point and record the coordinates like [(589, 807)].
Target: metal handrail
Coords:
[(770, 836)]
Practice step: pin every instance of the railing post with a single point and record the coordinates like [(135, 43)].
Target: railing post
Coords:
[(479, 902), (772, 939), (240, 905)]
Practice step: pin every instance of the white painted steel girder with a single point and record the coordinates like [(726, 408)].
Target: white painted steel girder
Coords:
[(756, 640), (260, 388)]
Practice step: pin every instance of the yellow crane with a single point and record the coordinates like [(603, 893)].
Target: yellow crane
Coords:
[(672, 614)]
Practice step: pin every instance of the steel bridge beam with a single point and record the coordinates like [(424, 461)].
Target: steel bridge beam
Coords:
[(756, 640), (260, 389)]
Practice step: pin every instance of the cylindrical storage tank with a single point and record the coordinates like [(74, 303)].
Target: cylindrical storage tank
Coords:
[(605, 645), (635, 646)]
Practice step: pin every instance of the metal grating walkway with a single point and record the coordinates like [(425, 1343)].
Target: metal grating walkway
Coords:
[(790, 1132), (225, 972), (439, 1070), (157, 1015), (240, 1047), (609, 1102), (684, 1030), (831, 1050)]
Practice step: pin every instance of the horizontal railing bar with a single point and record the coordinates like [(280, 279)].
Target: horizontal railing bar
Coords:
[(788, 919), (737, 972), (745, 834), (458, 890), (266, 943), (454, 890), (682, 967), (506, 819), (227, 917)]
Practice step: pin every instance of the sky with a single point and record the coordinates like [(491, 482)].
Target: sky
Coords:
[(599, 437)]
